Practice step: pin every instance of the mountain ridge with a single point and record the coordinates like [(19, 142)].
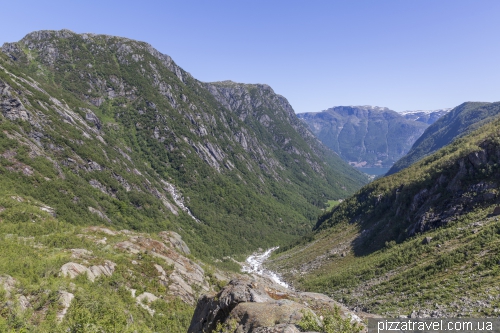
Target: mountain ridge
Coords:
[(160, 132), (459, 121), (365, 136)]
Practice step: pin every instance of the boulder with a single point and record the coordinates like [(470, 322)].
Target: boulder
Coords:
[(251, 316), (213, 309), (426, 240), (72, 270), (496, 211), (8, 283)]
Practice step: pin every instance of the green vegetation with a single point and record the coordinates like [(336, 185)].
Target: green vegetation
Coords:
[(33, 252), (462, 120), (156, 123), (331, 322), (423, 239), (105, 131), (332, 203)]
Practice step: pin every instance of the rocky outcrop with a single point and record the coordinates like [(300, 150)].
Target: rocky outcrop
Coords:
[(72, 270), (8, 284), (12, 108), (184, 276), (175, 240), (255, 304)]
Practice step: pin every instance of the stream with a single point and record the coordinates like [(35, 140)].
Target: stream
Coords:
[(253, 264)]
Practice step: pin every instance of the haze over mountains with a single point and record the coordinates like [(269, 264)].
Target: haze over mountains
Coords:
[(369, 136)]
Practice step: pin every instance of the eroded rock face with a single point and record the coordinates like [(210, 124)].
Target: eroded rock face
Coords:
[(12, 108)]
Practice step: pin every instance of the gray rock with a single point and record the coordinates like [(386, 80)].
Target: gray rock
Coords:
[(24, 303), (176, 240), (252, 316), (426, 240), (73, 269), (8, 283), (65, 299), (213, 309), (92, 118)]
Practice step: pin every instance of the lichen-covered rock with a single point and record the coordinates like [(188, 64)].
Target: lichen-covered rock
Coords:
[(65, 299), (8, 283), (251, 316), (73, 269)]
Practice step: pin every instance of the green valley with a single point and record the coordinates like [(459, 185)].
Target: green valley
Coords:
[(422, 242)]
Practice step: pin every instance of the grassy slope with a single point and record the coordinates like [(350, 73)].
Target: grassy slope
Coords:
[(364, 254), (33, 252)]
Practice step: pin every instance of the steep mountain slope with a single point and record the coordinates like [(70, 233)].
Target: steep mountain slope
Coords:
[(365, 136), (422, 242), (108, 130), (461, 120)]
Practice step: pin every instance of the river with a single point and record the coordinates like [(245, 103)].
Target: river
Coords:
[(253, 264)]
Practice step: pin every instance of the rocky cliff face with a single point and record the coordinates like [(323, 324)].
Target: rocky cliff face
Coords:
[(365, 136), (152, 148)]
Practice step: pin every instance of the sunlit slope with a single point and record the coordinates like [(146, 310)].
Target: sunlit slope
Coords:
[(107, 129), (458, 122), (424, 239)]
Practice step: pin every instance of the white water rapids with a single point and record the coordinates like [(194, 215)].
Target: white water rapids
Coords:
[(253, 264)]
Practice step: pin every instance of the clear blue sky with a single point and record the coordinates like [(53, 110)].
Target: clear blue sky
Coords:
[(404, 54)]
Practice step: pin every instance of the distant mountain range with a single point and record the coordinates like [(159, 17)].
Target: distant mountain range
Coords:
[(369, 136)]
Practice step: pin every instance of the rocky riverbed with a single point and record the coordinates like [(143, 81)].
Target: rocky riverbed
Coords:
[(253, 264)]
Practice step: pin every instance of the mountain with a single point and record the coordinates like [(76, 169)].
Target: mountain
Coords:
[(128, 187), (461, 120), (109, 130), (426, 116), (423, 242), (366, 136)]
